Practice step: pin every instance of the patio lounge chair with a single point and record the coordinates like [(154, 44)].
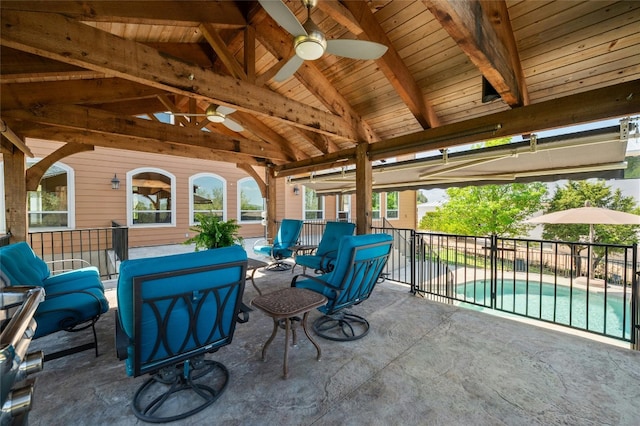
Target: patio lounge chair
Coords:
[(172, 310), (323, 259), (281, 249), (74, 299), (358, 266)]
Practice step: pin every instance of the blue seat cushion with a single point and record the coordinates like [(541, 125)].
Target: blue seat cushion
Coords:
[(62, 311), (78, 279), (316, 262)]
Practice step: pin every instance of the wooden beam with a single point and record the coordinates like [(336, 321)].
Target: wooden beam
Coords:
[(15, 204), (393, 67), (471, 29), (98, 121), (34, 173), (259, 180), (78, 44), (14, 139), (129, 143), (595, 105), (226, 57), (24, 96), (364, 185), (498, 14), (189, 13)]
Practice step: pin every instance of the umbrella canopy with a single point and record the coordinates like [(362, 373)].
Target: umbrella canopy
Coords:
[(589, 216)]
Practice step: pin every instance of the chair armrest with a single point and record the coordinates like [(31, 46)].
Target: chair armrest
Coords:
[(314, 278), (64, 268)]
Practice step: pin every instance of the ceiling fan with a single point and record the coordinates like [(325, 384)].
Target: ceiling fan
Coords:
[(216, 114), (310, 42)]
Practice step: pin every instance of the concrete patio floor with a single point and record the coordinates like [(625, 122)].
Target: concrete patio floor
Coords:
[(422, 363)]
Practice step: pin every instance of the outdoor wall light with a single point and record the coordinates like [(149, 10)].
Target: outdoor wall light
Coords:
[(115, 182), (296, 190)]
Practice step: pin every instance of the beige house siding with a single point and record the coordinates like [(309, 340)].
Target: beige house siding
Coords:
[(97, 205)]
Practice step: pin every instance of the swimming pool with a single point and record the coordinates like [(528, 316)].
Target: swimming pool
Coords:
[(575, 307)]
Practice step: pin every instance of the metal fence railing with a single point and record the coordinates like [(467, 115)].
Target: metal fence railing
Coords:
[(590, 287), (100, 247)]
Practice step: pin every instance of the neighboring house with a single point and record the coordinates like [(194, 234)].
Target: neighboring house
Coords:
[(159, 196)]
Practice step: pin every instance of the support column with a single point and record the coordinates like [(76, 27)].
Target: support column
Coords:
[(364, 184), (15, 197), (271, 203)]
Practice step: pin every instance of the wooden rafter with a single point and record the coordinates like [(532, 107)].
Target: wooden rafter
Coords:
[(93, 120), (69, 41), (472, 30)]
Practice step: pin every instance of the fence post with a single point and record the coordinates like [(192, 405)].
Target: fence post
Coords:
[(412, 242), (494, 269), (635, 302)]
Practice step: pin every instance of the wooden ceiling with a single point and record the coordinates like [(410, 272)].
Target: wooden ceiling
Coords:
[(96, 72)]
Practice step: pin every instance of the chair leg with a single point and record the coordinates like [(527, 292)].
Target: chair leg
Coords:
[(162, 399), (341, 327)]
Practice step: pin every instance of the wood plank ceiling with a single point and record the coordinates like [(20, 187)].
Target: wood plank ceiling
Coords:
[(96, 72)]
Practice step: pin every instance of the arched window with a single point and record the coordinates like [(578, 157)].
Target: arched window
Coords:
[(250, 201), (52, 204), (150, 197), (393, 205), (313, 205), (208, 196)]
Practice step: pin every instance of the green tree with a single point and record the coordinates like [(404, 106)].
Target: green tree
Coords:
[(486, 210), (573, 195), (421, 197)]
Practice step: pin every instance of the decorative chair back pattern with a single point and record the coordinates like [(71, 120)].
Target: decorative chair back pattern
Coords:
[(175, 307), (359, 262)]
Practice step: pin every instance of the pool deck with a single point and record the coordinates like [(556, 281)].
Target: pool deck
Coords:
[(423, 362)]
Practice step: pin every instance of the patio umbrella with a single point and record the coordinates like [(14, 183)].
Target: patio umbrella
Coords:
[(588, 216)]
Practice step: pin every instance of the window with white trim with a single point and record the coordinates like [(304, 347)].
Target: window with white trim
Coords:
[(51, 205), (313, 205), (375, 205), (150, 197), (343, 204), (250, 201), (208, 196), (393, 205)]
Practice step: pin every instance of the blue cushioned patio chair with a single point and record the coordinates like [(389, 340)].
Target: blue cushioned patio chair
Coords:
[(323, 258), (74, 300), (172, 310), (358, 267), (287, 237)]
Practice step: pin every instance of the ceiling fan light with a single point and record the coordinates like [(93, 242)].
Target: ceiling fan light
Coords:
[(215, 118), (311, 46)]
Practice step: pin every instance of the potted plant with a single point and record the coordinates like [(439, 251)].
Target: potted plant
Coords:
[(214, 232)]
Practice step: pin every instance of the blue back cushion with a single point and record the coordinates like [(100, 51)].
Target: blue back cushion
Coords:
[(331, 237), (288, 233), (352, 280), (20, 265), (179, 313)]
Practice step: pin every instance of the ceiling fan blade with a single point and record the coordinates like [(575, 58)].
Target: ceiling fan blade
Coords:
[(283, 16), (225, 110), (184, 114), (289, 68), (356, 49), (232, 125)]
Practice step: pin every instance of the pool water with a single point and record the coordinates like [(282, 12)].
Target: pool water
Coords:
[(575, 307)]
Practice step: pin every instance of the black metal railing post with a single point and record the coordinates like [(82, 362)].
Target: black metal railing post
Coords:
[(635, 302), (493, 277), (412, 263)]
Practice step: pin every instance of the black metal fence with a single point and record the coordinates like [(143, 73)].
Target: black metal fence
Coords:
[(69, 249), (590, 287)]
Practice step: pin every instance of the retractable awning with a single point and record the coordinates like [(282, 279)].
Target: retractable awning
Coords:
[(594, 153)]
